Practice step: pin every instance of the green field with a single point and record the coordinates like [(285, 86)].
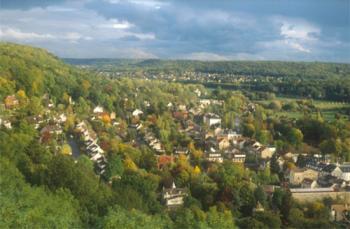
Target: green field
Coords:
[(328, 109)]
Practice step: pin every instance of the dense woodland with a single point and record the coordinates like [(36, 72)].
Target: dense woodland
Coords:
[(41, 187)]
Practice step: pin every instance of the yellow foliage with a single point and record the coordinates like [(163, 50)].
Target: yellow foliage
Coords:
[(21, 94), (66, 150), (196, 170), (106, 119), (69, 124), (129, 164)]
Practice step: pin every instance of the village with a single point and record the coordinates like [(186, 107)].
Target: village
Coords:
[(306, 176)]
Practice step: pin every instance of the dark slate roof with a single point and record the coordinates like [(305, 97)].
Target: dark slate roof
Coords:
[(329, 168), (345, 168)]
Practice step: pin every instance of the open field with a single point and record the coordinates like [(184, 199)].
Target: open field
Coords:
[(328, 109)]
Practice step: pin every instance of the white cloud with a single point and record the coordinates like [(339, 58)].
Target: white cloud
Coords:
[(142, 36), (18, 35), (149, 3), (297, 35), (204, 56), (74, 37), (209, 56), (116, 24), (296, 46), (299, 30), (9, 33), (138, 54)]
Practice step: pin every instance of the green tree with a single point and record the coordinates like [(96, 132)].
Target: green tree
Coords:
[(114, 167), (23, 206)]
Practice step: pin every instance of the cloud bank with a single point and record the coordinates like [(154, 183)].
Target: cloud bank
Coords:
[(205, 30)]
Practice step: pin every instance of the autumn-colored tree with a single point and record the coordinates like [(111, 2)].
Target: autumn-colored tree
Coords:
[(66, 149), (106, 119)]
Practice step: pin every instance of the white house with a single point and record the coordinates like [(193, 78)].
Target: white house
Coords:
[(137, 112), (98, 109), (345, 172), (7, 124), (211, 119), (198, 92), (174, 197)]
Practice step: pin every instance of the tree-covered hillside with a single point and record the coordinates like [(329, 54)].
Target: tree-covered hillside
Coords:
[(327, 81), (36, 72), (251, 68)]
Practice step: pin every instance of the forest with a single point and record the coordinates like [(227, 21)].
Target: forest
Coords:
[(43, 186)]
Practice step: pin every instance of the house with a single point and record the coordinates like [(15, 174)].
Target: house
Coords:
[(180, 115), (238, 158), (98, 110), (345, 172), (240, 143), (258, 207), (169, 105), (266, 152), (62, 118), (35, 120), (270, 189), (313, 164), (181, 151), (7, 124), (339, 171), (232, 135), (211, 119), (195, 111), (174, 197), (204, 102), (224, 143), (157, 146), (309, 183), (291, 157), (235, 155), (214, 156), (198, 92), (52, 129), (297, 175), (182, 107), (329, 181), (97, 156), (137, 113), (11, 101), (256, 148), (146, 103), (113, 115), (339, 212)]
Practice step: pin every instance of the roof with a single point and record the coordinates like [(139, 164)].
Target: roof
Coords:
[(329, 168), (212, 115), (339, 207), (345, 168), (307, 181)]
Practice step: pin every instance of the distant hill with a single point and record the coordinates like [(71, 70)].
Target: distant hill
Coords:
[(254, 68)]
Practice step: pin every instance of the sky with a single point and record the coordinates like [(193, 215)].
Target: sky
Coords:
[(296, 30)]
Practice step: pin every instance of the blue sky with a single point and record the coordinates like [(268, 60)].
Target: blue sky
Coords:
[(299, 30)]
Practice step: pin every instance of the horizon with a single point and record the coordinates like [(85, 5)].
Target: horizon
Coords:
[(294, 31)]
